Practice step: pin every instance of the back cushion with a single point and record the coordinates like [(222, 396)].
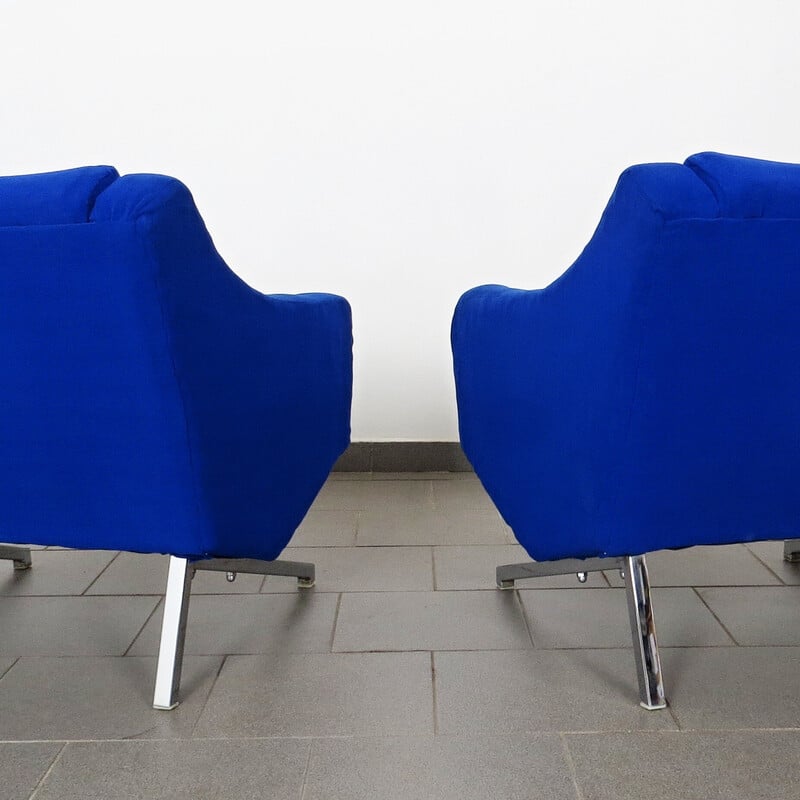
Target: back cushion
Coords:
[(750, 188), (52, 198)]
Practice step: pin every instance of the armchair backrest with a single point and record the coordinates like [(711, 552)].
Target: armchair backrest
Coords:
[(92, 432), (52, 198), (713, 443)]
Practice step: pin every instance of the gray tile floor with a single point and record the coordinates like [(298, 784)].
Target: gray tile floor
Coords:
[(404, 673)]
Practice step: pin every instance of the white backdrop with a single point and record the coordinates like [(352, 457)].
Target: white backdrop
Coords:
[(400, 153)]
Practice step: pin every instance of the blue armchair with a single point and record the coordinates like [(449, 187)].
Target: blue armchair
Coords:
[(648, 398), (152, 401)]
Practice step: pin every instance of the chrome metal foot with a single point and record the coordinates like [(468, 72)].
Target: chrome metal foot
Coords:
[(173, 634), (582, 576), (791, 550), (230, 577), (505, 584), (643, 630)]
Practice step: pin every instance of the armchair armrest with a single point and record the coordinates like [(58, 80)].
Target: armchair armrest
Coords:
[(265, 380), (542, 392)]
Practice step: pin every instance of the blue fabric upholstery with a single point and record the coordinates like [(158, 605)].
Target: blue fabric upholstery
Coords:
[(648, 398), (151, 401)]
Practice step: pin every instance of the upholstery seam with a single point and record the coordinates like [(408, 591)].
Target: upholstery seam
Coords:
[(710, 183)]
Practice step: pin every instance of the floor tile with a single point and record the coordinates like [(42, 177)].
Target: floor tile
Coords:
[(473, 567), (98, 698), (179, 770), (361, 569), (689, 766), (771, 555), (365, 694), (461, 495), (720, 565), (422, 476), (758, 615), (55, 572), (301, 622), (138, 573), (359, 495), (416, 526), (349, 475), (326, 528), (430, 621), (71, 626), (733, 687), (22, 766), (444, 768), (555, 690), (599, 618)]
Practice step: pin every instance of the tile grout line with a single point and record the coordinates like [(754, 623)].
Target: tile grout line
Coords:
[(573, 772), (433, 693), (711, 611), (766, 566), (100, 574), (525, 618), (208, 697), (335, 621), (551, 733), (675, 718), (144, 625), (10, 667), (304, 782), (47, 772)]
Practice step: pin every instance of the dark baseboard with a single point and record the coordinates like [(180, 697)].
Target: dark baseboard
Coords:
[(403, 457)]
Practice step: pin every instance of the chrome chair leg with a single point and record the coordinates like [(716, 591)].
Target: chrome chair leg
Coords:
[(21, 556), (173, 633), (176, 611), (643, 630), (791, 550)]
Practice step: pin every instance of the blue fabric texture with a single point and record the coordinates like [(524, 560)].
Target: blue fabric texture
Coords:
[(152, 401), (647, 398)]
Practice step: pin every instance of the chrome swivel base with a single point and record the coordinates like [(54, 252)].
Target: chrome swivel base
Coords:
[(176, 610), (640, 611)]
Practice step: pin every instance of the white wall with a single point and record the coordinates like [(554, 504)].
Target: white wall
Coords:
[(396, 153)]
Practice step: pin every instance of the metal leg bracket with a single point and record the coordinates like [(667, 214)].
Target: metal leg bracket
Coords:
[(791, 550), (303, 571), (508, 574), (21, 556)]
